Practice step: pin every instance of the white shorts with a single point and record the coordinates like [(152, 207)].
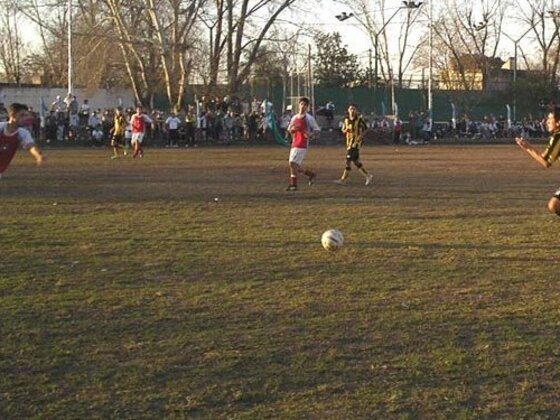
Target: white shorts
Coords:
[(137, 137), (297, 155)]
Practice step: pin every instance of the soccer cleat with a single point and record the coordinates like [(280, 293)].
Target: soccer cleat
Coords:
[(340, 181), (291, 188), (369, 179), (312, 178)]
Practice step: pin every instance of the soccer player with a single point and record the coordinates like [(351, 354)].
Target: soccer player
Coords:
[(13, 135), (302, 126), (138, 122), (354, 127), (550, 154), (119, 128)]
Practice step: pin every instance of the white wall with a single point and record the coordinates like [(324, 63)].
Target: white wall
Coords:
[(32, 96)]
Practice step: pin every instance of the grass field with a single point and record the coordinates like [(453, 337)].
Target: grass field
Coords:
[(127, 290)]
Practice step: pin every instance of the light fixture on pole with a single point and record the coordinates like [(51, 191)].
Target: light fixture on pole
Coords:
[(343, 16), (412, 4), (406, 5)]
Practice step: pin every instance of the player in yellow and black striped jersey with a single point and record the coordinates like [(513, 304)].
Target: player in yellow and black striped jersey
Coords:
[(550, 154), (354, 127), (119, 127)]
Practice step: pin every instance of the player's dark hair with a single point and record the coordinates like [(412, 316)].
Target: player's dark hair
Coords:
[(555, 109), (15, 108), (304, 99)]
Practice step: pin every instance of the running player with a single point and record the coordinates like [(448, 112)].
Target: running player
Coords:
[(13, 135), (354, 127), (302, 126), (138, 122), (550, 154)]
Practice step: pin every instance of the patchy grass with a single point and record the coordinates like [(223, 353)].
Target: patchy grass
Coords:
[(127, 290)]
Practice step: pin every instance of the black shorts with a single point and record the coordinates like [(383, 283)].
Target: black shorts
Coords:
[(353, 154), (117, 139)]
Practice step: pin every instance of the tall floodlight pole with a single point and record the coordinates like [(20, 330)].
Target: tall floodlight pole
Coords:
[(515, 48), (70, 66), (430, 116), (376, 45)]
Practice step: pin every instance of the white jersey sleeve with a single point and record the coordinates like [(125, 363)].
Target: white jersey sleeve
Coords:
[(312, 123), (292, 121), (24, 136)]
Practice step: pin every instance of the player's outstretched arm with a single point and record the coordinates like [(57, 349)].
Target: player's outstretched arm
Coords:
[(528, 147)]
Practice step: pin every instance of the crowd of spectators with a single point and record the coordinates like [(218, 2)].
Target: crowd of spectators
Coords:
[(418, 128), (226, 120), (211, 120)]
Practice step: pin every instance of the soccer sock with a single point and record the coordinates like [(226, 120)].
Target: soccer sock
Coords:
[(308, 173), (293, 180), (363, 171), (345, 174), (140, 150)]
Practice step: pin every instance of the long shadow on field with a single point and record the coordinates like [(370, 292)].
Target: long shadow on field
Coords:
[(363, 245)]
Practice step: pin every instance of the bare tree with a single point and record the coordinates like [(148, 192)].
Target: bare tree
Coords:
[(11, 48), (239, 30), (51, 22), (374, 18), (543, 23), (172, 24), (465, 43)]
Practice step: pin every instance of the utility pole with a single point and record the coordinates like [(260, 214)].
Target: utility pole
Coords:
[(310, 80), (369, 69), (70, 60), (430, 116)]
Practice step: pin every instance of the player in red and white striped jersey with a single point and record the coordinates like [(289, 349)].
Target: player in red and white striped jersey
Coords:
[(13, 135)]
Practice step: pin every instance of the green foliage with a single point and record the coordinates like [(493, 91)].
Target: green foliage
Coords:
[(334, 65), (268, 65)]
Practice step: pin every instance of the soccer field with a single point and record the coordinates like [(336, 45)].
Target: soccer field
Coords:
[(190, 284)]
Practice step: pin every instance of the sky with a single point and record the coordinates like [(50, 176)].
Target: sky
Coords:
[(322, 17), (358, 42)]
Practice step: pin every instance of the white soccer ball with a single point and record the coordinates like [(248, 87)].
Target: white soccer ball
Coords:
[(332, 239)]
